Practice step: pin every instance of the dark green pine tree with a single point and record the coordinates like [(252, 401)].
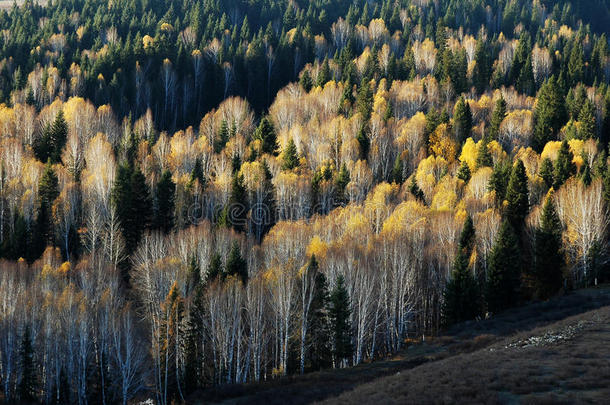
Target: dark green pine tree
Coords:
[(484, 158), (416, 191), (546, 172), (464, 172), (482, 68), (132, 202), (364, 143), (342, 179), (586, 117), (564, 165), (236, 265), (290, 157), (496, 119), (499, 180), (517, 197), (306, 81), (214, 269), (586, 174), (265, 132), (48, 191), (504, 278), (364, 100), (318, 333), (165, 197), (323, 74), (235, 214), (340, 324), (27, 384), (58, 137), (549, 114), (576, 64), (462, 120), (548, 265), (222, 138), (461, 297)]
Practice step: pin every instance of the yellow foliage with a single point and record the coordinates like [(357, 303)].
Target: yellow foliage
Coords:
[(442, 143), (147, 41), (317, 247), (469, 154), (551, 149)]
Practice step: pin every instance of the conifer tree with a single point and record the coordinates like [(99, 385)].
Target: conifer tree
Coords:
[(214, 269), (586, 117), (549, 114), (265, 132), (484, 158), (44, 234), (58, 136), (497, 117), (517, 197), (235, 214), (461, 298), (416, 191), (397, 168), (317, 340), (462, 120), (464, 172), (341, 328), (504, 278), (305, 81), (290, 158), (548, 265), (165, 196), (342, 179), (564, 165), (236, 264), (364, 142), (546, 172), (499, 180)]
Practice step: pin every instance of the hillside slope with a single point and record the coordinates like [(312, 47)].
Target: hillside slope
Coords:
[(550, 352)]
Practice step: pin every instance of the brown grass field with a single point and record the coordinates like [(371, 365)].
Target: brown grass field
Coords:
[(545, 353)]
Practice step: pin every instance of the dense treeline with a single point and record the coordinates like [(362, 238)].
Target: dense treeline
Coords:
[(346, 175)]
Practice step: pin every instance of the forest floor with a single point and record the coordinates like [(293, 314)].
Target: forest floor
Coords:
[(546, 352)]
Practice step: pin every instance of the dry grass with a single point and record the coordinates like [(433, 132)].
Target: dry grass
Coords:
[(476, 362)]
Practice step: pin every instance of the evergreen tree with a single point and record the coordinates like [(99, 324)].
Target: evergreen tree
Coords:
[(265, 132), (546, 172), (464, 172), (132, 202), (499, 180), (517, 197), (416, 191), (214, 269), (222, 137), (317, 340), (586, 117), (564, 165), (484, 158), (236, 265), (462, 120), (548, 277), (27, 384), (482, 67), (339, 318), (58, 136), (364, 101), (549, 114), (497, 117), (364, 142), (165, 196), (323, 74), (504, 278), (44, 233), (397, 168), (341, 181), (290, 158), (461, 298), (235, 214), (305, 81)]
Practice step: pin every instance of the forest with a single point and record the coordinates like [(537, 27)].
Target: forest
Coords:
[(212, 192)]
